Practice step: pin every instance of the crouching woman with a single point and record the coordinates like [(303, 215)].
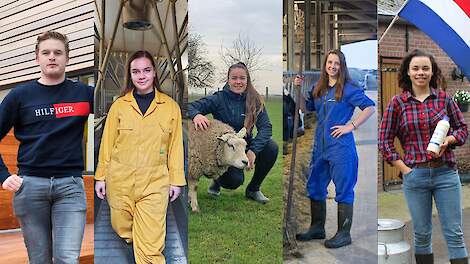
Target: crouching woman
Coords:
[(412, 116), (141, 160), (240, 105)]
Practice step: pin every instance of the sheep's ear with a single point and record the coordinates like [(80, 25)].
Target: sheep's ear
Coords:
[(242, 133), (224, 137)]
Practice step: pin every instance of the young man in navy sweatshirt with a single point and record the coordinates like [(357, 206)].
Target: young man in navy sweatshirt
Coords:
[(48, 116)]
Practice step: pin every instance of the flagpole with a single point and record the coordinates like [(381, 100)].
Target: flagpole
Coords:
[(393, 21)]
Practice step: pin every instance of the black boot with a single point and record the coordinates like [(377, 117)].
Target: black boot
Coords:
[(214, 189), (424, 258), (459, 261), (343, 235), (317, 225)]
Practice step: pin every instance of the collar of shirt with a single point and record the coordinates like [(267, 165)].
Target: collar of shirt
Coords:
[(407, 95)]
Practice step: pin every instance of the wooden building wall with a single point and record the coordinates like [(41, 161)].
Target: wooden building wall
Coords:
[(21, 21)]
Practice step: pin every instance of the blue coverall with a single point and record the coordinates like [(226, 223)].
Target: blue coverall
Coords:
[(334, 158)]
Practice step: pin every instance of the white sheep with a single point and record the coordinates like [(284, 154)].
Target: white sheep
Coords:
[(211, 152)]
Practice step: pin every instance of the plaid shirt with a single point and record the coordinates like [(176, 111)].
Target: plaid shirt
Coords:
[(413, 122)]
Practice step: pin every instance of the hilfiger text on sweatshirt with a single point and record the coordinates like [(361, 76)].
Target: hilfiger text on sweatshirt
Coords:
[(48, 121)]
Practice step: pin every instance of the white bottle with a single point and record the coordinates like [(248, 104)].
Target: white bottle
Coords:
[(440, 133)]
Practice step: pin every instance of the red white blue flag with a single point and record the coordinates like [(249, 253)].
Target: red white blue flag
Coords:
[(447, 22)]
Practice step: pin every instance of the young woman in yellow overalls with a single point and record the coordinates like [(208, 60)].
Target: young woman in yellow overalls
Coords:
[(141, 160)]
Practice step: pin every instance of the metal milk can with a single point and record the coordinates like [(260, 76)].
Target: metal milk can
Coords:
[(392, 247)]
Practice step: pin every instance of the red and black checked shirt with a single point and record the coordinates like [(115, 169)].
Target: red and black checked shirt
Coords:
[(413, 122)]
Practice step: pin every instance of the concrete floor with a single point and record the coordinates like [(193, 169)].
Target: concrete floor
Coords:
[(363, 250)]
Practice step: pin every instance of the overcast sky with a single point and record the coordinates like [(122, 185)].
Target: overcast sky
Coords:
[(261, 20)]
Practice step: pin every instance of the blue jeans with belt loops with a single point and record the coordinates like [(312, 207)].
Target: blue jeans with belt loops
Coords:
[(52, 215), (420, 186)]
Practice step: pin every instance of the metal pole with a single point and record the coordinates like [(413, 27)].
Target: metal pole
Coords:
[(318, 31), (307, 34), (161, 32), (393, 21), (102, 23), (178, 55), (388, 28), (180, 33), (101, 106), (290, 191), (290, 35), (326, 29), (103, 67)]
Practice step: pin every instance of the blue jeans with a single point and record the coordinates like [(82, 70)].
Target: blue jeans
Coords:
[(419, 187), (52, 215)]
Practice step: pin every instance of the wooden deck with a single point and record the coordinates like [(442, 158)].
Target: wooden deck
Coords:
[(14, 251)]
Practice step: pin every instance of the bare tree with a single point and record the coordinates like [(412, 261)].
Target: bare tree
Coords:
[(200, 69), (244, 50)]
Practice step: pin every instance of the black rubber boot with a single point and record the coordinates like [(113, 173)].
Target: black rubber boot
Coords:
[(459, 261), (424, 258), (317, 224), (343, 235)]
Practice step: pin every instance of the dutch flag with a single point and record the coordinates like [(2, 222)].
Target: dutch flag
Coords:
[(447, 22)]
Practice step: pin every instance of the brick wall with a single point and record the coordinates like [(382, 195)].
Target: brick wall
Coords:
[(394, 45)]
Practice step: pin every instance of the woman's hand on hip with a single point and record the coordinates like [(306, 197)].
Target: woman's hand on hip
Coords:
[(251, 159), (100, 189), (12, 183), (175, 192), (201, 122), (338, 131), (406, 170)]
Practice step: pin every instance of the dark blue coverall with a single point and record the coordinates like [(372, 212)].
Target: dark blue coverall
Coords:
[(334, 158)]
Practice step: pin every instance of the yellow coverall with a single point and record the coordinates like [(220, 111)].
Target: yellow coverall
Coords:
[(140, 157)]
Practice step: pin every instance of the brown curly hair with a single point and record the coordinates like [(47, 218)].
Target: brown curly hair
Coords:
[(404, 81)]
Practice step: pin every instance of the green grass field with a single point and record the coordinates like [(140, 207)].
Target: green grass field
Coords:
[(232, 229)]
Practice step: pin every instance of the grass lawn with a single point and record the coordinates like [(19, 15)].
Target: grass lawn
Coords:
[(232, 229)]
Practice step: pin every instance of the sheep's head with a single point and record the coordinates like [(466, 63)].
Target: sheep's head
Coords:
[(234, 150)]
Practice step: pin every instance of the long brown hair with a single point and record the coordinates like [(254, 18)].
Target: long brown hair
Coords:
[(404, 81), (322, 87), (128, 85), (254, 102)]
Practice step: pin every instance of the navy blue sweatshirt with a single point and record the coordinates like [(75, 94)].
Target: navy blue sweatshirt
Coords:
[(229, 108), (48, 121)]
